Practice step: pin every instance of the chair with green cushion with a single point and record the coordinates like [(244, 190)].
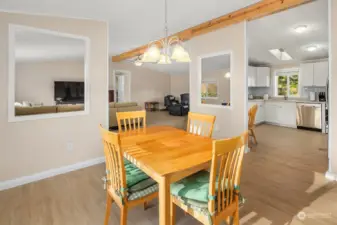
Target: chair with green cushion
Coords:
[(212, 197), (127, 185)]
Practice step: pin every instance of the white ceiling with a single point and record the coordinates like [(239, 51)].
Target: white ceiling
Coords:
[(277, 31), (34, 45), (133, 23)]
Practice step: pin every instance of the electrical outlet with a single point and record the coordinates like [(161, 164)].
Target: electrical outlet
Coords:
[(70, 146)]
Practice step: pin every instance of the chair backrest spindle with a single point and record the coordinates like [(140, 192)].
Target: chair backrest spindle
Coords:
[(200, 124), (115, 172), (225, 177), (129, 120)]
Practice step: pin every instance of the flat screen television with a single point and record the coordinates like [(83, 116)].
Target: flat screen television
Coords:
[(68, 92)]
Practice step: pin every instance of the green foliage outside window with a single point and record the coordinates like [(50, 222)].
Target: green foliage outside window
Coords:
[(287, 85)]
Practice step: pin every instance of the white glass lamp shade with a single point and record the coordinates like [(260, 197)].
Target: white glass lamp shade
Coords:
[(164, 59), (228, 75), (152, 54), (184, 58), (178, 52)]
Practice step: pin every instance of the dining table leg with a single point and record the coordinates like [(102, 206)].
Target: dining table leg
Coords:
[(164, 201)]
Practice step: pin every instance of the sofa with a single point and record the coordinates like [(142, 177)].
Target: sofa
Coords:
[(120, 107), (34, 110)]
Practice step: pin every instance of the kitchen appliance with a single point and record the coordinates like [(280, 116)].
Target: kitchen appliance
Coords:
[(309, 116), (321, 96), (265, 97), (312, 96)]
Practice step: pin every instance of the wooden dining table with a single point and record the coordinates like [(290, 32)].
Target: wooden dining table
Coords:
[(166, 154)]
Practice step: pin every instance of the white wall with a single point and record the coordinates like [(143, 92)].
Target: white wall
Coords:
[(146, 84), (180, 84), (32, 146), (333, 90), (232, 120), (35, 80)]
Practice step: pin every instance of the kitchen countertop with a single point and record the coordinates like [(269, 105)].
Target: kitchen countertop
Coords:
[(289, 100)]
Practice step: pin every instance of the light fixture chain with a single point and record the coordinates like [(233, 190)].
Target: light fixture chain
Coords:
[(166, 31)]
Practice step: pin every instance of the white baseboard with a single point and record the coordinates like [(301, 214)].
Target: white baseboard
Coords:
[(49, 173), (330, 176)]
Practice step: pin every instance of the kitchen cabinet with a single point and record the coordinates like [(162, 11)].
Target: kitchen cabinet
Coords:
[(281, 113), (314, 74), (258, 76), (321, 73), (263, 77), (307, 74), (252, 76)]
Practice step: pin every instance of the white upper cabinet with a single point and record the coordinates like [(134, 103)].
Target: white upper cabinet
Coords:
[(307, 74), (252, 76), (263, 77), (258, 76), (314, 74), (321, 73)]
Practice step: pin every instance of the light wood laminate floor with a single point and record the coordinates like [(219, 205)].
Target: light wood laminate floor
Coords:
[(284, 176)]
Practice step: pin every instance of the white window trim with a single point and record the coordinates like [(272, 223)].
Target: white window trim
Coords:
[(217, 88), (11, 75), (288, 70), (229, 52)]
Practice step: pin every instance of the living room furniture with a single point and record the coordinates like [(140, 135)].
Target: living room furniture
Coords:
[(126, 184), (213, 197), (174, 107), (34, 110), (200, 124), (155, 149), (120, 107), (170, 100), (251, 122), (131, 120), (151, 106)]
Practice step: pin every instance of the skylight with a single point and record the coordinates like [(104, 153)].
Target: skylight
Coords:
[(280, 54)]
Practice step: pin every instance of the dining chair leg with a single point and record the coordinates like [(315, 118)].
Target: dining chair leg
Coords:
[(173, 213), (124, 215), (108, 208), (253, 133), (145, 205), (236, 218), (228, 220)]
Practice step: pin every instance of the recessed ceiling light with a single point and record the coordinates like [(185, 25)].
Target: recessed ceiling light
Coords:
[(280, 54), (312, 48), (300, 29)]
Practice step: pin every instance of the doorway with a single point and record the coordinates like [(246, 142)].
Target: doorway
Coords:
[(122, 85)]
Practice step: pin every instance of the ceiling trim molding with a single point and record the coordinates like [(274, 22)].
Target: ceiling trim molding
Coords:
[(255, 11)]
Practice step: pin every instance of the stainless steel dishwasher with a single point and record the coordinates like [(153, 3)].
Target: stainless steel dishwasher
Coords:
[(309, 115)]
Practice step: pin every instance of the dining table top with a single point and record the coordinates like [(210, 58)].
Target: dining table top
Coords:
[(165, 150)]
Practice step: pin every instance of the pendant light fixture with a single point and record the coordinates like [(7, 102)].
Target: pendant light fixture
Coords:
[(154, 54)]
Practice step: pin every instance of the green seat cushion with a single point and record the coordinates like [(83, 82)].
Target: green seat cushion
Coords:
[(194, 187), (134, 175)]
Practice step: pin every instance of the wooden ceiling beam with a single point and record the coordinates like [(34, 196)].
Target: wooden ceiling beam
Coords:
[(255, 11)]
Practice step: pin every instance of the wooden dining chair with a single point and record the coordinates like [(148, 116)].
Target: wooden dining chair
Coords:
[(251, 122), (126, 185), (213, 197), (200, 124), (131, 120)]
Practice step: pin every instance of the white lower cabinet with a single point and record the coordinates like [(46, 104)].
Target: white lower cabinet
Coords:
[(281, 113)]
